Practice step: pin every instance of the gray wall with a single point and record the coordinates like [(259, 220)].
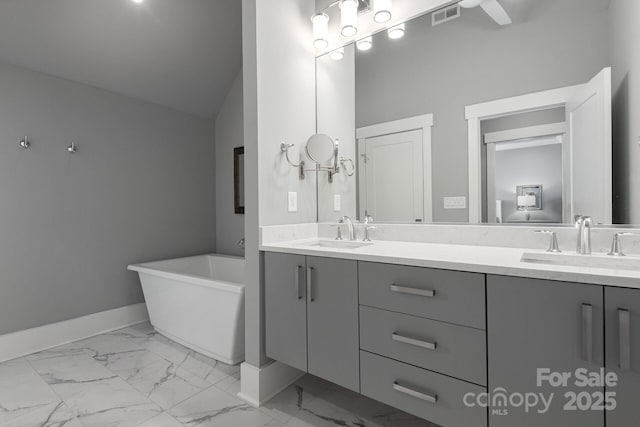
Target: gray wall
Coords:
[(229, 134), (141, 187), (625, 52), (442, 69)]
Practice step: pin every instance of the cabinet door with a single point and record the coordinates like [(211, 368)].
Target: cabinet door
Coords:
[(286, 309), (535, 324), (623, 353), (332, 304)]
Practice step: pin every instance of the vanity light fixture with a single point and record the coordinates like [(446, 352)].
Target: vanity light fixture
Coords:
[(396, 32), (365, 44), (382, 11), (320, 30), (349, 17), (337, 55)]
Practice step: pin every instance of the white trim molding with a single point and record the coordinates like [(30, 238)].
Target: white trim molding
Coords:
[(402, 125), (23, 343), (259, 385), (475, 114), (527, 132), (522, 103)]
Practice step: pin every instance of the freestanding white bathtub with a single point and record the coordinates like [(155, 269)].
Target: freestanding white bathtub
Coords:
[(198, 302)]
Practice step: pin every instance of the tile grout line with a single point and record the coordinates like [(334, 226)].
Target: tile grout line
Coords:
[(73, 411)]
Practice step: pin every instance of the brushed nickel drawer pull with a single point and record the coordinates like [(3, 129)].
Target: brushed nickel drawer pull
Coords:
[(413, 291), (297, 281), (310, 294), (422, 396), (624, 330), (412, 341), (587, 333)]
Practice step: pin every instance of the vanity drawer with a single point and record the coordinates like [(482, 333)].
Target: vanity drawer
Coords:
[(457, 351), (434, 397), (450, 296)]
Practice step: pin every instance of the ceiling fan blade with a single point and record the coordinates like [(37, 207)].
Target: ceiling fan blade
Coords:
[(496, 11)]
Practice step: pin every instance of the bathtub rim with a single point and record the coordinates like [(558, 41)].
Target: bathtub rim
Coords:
[(145, 268)]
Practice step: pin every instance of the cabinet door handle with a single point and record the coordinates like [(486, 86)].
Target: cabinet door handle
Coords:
[(587, 333), (310, 284), (412, 341), (297, 282), (413, 291), (422, 396), (624, 331)]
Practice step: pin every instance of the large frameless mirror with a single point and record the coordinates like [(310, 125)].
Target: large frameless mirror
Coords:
[(456, 119)]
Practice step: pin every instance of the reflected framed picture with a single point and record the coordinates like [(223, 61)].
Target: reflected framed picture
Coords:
[(238, 179)]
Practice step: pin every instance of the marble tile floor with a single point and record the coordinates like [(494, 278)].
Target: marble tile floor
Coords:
[(135, 377)]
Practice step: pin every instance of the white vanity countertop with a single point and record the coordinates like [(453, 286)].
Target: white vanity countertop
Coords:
[(478, 259)]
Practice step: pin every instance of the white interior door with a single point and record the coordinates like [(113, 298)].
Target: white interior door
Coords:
[(587, 156), (392, 177)]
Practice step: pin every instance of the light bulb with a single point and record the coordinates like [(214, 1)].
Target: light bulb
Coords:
[(396, 32), (349, 17), (365, 44), (320, 30), (382, 11), (338, 54)]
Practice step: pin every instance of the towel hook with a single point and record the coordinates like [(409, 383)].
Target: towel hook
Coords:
[(72, 148), (24, 143)]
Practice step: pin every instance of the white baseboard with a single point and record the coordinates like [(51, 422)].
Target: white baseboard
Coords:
[(259, 385), (22, 343)]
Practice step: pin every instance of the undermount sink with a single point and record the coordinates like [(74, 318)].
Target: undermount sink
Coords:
[(575, 260), (338, 244)]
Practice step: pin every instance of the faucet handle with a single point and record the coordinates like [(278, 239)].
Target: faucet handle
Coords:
[(616, 244), (339, 236), (553, 241), (367, 236)]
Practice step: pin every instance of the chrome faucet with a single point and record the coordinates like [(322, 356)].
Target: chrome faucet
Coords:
[(584, 224), (352, 231)]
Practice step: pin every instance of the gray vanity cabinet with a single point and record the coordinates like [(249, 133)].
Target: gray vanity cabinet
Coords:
[(534, 324), (622, 321), (332, 313), (286, 309), (311, 316)]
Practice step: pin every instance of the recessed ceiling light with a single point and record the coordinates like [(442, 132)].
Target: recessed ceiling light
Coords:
[(138, 1), (365, 44), (396, 32)]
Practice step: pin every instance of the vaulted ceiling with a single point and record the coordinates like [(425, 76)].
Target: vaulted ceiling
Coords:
[(183, 54)]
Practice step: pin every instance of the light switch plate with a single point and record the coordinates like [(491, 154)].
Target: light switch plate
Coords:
[(292, 202), (337, 203), (455, 202)]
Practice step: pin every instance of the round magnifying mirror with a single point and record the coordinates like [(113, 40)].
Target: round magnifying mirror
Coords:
[(320, 148)]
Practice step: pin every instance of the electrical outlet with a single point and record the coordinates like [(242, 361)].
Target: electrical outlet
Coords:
[(292, 202), (337, 203), (455, 202)]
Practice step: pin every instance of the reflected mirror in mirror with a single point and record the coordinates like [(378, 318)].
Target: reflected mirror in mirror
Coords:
[(451, 121), (320, 148)]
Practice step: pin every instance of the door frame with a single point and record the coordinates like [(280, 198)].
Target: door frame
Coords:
[(424, 123), (476, 113), (493, 138)]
